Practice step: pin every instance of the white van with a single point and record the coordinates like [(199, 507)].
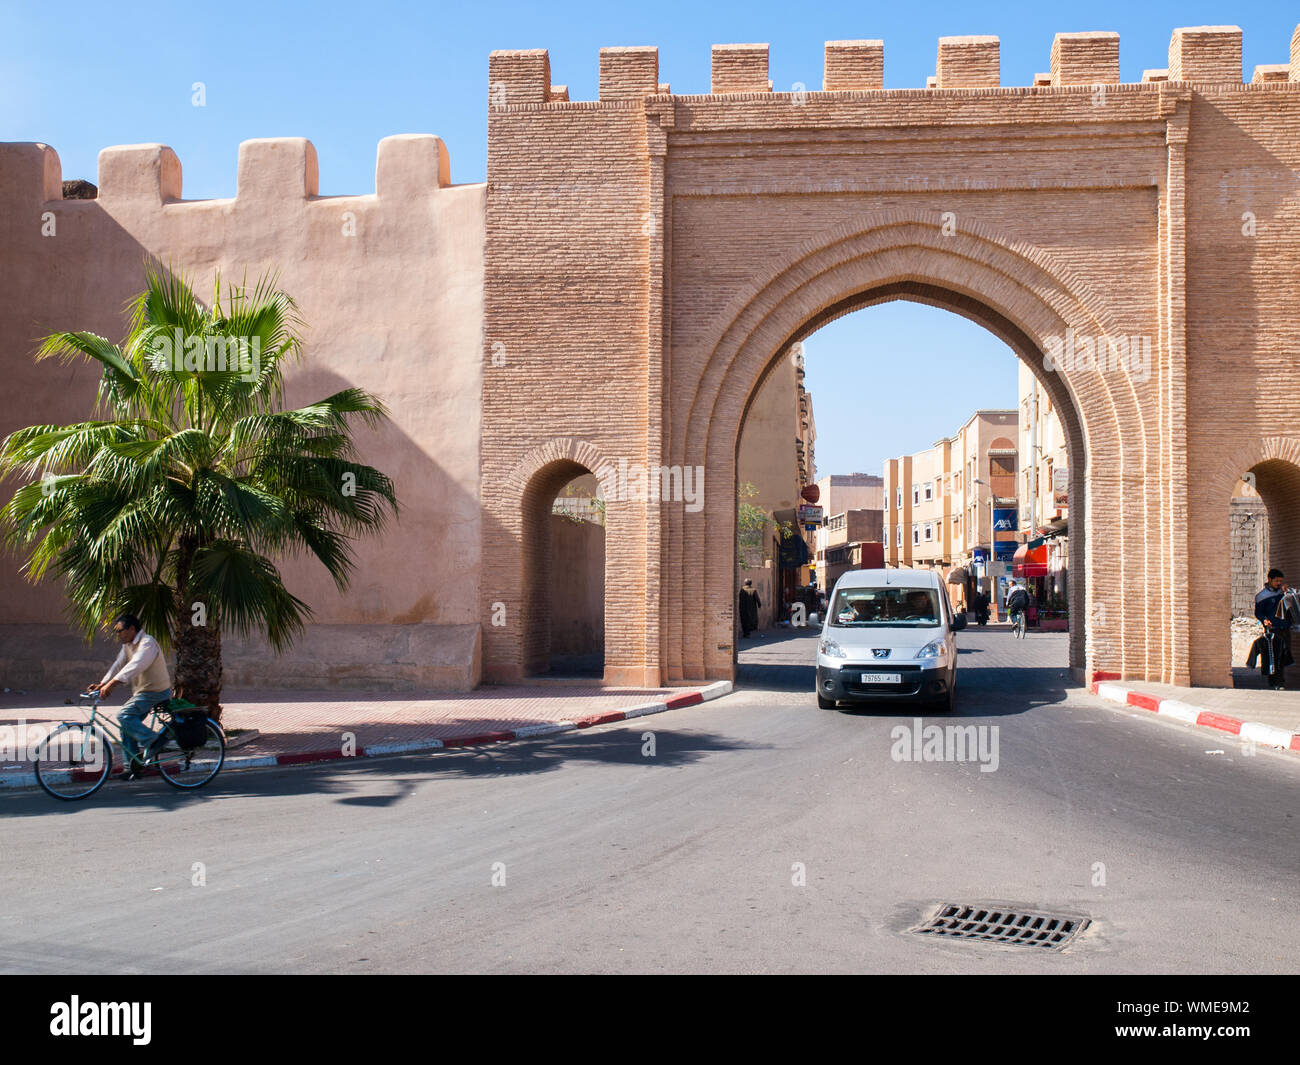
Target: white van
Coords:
[(888, 635)]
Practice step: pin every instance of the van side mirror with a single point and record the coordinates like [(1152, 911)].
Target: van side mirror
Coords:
[(958, 622)]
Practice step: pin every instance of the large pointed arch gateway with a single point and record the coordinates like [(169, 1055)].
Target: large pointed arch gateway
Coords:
[(649, 256), (1017, 293)]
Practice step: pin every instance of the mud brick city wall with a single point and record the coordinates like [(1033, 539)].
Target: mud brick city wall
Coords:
[(1075, 204), (389, 285), (633, 267)]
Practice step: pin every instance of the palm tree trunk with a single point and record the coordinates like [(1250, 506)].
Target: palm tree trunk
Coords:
[(198, 646)]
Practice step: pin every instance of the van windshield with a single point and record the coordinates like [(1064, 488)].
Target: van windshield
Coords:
[(866, 607)]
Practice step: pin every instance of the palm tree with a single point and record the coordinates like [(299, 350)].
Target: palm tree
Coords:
[(176, 505)]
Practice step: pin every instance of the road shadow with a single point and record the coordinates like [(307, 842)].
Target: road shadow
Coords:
[(626, 747), (988, 689)]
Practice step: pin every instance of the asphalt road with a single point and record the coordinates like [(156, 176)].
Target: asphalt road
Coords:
[(610, 859)]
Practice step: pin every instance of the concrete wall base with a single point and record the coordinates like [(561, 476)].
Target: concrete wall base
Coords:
[(421, 657)]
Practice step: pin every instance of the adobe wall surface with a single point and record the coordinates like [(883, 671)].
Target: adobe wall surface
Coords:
[(766, 454), (390, 287)]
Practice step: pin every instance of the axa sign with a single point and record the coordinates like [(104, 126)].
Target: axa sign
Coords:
[(1005, 520)]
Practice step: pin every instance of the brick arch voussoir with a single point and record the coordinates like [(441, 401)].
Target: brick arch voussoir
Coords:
[(747, 352), (916, 221), (1016, 281), (1010, 282), (1228, 475), (524, 475)]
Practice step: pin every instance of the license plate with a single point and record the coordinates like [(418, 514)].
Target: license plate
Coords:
[(882, 678)]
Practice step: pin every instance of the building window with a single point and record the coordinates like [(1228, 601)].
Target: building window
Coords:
[(928, 494), (916, 494), (929, 531), (898, 536), (916, 534), (900, 499), (1002, 466)]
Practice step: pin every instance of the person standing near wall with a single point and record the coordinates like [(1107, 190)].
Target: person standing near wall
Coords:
[(749, 604), (1270, 609)]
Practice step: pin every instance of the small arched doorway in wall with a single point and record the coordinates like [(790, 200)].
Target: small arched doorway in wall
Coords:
[(1264, 534), (563, 628)]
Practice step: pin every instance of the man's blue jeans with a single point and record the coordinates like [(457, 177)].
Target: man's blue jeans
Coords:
[(134, 731)]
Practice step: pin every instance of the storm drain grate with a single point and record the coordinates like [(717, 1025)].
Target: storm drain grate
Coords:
[(1029, 928)]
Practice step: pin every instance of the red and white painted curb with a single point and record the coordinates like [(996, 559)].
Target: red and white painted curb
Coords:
[(255, 761), (1103, 684)]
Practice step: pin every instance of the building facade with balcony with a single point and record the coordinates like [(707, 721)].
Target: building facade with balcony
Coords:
[(939, 503), (849, 540), (1043, 558), (775, 461), (854, 507)]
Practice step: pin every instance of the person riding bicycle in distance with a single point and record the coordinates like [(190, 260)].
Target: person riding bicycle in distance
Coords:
[(142, 664), (1017, 602)]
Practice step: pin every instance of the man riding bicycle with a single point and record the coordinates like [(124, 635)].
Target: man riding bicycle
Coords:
[(142, 663), (1017, 607)]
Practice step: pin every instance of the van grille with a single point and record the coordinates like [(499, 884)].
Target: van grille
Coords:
[(910, 685)]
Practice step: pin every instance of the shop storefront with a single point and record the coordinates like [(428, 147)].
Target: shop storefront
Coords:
[(1042, 564)]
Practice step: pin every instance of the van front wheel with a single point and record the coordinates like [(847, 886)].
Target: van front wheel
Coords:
[(946, 704)]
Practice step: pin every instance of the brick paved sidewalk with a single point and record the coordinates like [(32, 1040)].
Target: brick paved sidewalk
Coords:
[(309, 726)]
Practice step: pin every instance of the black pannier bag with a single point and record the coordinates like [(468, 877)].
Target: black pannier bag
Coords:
[(189, 723)]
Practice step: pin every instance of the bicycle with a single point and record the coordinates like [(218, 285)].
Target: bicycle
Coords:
[(1018, 621), (75, 759)]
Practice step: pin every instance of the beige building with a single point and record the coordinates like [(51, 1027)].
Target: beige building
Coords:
[(838, 492), (1044, 461), (839, 495), (852, 539), (774, 462), (1044, 494), (937, 501)]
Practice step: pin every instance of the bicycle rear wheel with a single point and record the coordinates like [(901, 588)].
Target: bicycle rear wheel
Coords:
[(194, 768), (73, 761)]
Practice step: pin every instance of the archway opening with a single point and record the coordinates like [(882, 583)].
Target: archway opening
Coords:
[(564, 573), (1264, 536), (932, 438)]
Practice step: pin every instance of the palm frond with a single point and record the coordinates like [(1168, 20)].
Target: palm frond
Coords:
[(247, 590)]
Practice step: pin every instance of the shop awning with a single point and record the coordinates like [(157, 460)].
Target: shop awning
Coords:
[(1030, 559)]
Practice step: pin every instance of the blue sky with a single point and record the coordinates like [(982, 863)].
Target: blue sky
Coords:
[(347, 75), (946, 367)]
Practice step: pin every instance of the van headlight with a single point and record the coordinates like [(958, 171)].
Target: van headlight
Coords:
[(831, 649), (933, 649)]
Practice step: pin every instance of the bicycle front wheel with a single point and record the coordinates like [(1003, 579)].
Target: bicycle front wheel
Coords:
[(73, 761), (194, 768)]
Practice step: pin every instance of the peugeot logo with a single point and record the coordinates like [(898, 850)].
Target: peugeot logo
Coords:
[(880, 652)]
